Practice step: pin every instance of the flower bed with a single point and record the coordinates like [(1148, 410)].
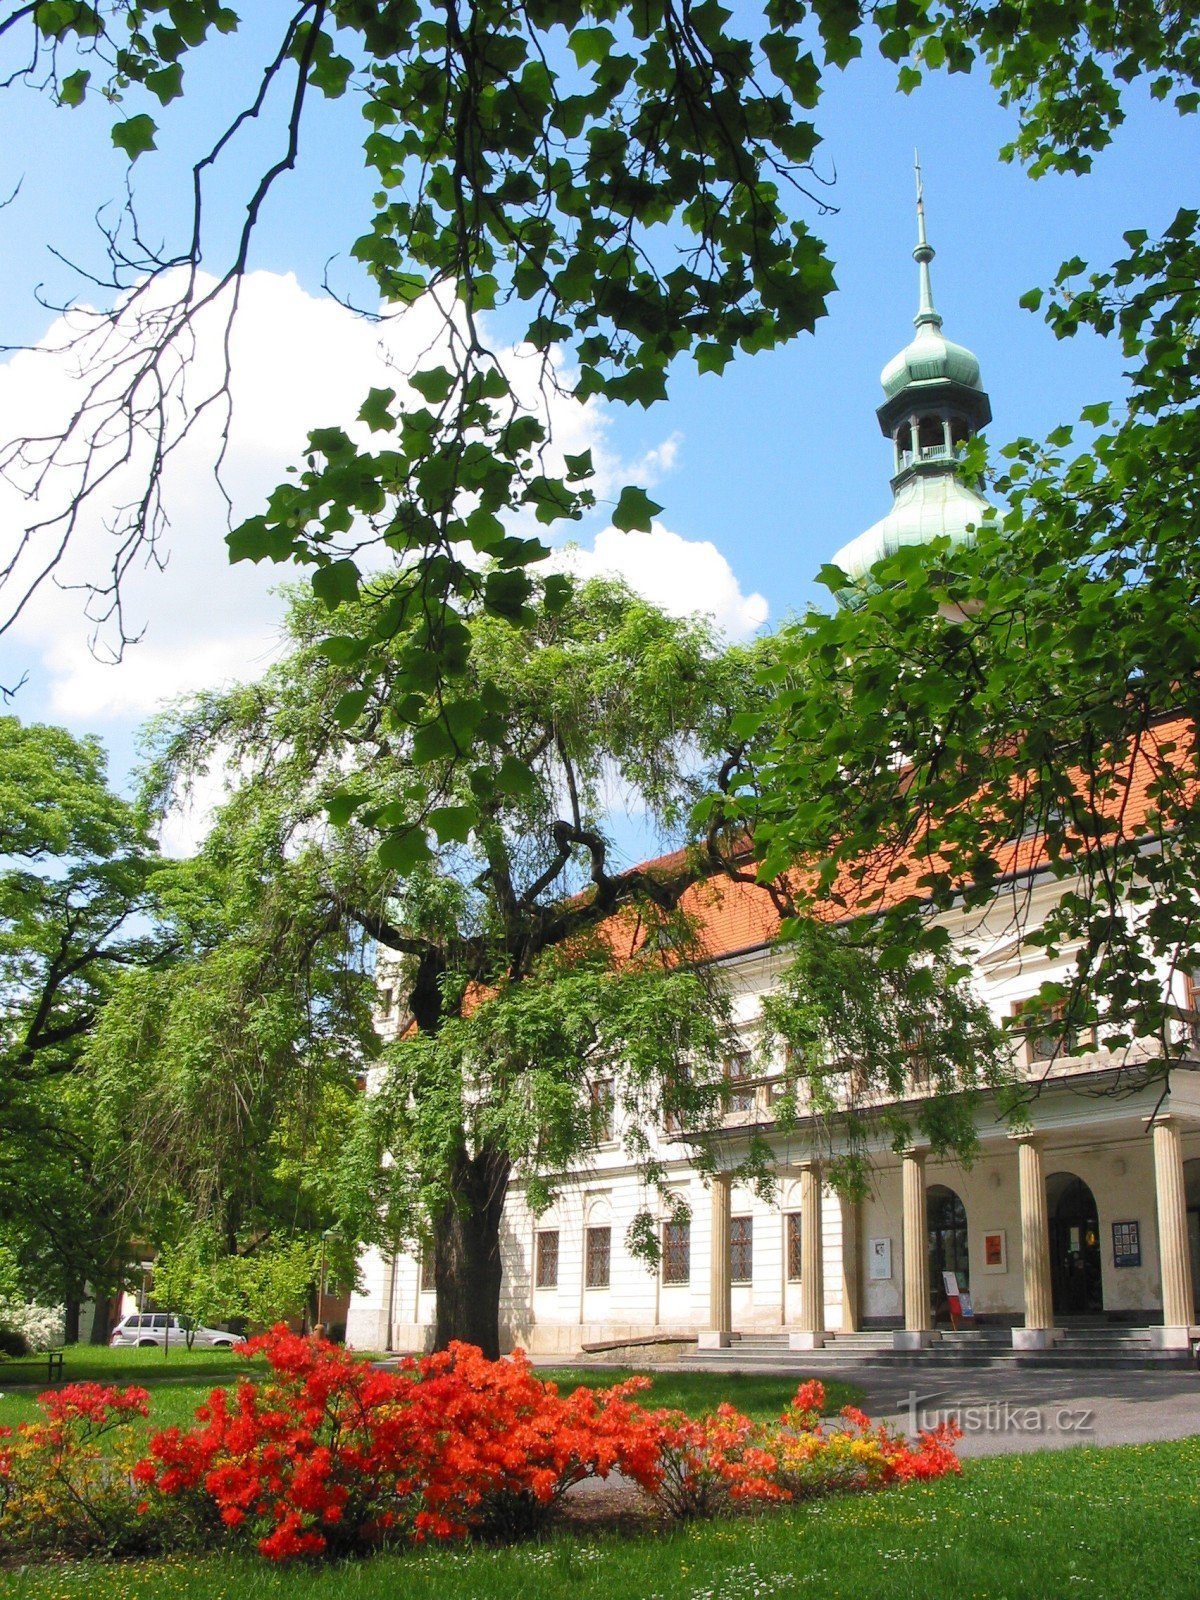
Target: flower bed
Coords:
[(327, 1456)]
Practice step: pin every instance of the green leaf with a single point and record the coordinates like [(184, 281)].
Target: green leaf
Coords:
[(591, 44), (452, 824), (350, 707), (342, 807), (635, 511), (135, 135), (401, 852), (73, 88), (375, 410), (515, 778), (433, 385), (557, 589), (336, 583), (505, 594), (1030, 300)]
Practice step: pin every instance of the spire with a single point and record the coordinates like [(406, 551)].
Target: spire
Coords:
[(923, 255)]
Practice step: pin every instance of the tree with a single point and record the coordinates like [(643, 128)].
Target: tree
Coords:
[(536, 978), (227, 1081), (74, 898), (1036, 690)]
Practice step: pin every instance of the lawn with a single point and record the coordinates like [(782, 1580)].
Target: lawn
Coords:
[(181, 1381), (1108, 1524)]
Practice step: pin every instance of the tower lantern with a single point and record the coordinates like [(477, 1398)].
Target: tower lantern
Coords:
[(933, 403)]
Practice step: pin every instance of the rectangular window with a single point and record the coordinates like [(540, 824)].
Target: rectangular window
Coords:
[(602, 1110), (794, 1242), (597, 1258), (741, 1249), (677, 1252), (385, 1002), (739, 1096), (1049, 1034), (546, 1271), (428, 1282)]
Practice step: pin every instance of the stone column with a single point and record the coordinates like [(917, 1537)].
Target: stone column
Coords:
[(811, 1333), (720, 1277), (1039, 1332), (1174, 1255), (851, 1265), (917, 1330)]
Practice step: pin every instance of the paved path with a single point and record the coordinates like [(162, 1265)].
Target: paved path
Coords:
[(1004, 1412)]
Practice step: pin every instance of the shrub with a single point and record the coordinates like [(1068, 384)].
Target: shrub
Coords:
[(13, 1343), (65, 1483), (326, 1455), (41, 1326)]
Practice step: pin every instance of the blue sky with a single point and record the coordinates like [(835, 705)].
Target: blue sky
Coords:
[(776, 463)]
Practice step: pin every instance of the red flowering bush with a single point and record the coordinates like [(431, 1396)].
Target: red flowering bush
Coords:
[(327, 1455), (65, 1482), (710, 1463)]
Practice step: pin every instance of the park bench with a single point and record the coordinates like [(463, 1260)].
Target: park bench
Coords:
[(49, 1361)]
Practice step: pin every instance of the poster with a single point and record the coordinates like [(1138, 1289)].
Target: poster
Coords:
[(879, 1258), (995, 1255), (1127, 1244)]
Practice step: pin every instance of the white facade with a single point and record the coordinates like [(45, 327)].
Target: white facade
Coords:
[(1094, 1146)]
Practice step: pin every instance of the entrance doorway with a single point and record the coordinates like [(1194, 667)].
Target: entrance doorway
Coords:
[(1191, 1184), (1076, 1283), (947, 1243)]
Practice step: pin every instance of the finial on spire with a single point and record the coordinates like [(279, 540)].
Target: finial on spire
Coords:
[(923, 255)]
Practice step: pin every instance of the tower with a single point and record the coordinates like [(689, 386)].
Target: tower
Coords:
[(933, 402)]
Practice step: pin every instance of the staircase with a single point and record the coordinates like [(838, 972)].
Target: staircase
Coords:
[(1084, 1348)]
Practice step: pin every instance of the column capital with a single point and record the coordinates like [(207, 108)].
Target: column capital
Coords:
[(1165, 1119), (916, 1153), (1031, 1136)]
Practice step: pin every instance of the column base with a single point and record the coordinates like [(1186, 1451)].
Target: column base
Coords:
[(713, 1339), (914, 1338), (1036, 1338), (801, 1339), (1172, 1337)]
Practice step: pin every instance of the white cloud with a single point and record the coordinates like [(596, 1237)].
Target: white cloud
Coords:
[(683, 576), (298, 361)]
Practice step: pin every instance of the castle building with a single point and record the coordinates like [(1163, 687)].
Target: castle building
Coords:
[(1090, 1214)]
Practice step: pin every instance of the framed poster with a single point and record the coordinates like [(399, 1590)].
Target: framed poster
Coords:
[(995, 1252), (879, 1258), (1127, 1244)]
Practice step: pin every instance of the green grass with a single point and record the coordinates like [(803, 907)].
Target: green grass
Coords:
[(1106, 1524), (759, 1395), (178, 1383)]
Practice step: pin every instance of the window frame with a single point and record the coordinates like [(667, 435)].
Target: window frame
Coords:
[(743, 1226), (794, 1245), (671, 1252), (546, 1258), (591, 1256)]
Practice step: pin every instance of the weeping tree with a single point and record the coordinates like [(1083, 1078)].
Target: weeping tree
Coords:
[(474, 842), (226, 1080)]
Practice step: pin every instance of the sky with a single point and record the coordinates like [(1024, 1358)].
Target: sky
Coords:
[(763, 472)]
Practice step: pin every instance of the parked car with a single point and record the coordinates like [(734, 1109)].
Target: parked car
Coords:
[(156, 1327)]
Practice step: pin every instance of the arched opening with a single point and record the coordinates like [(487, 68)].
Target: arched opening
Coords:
[(1076, 1283), (947, 1218), (931, 436), (1191, 1184)]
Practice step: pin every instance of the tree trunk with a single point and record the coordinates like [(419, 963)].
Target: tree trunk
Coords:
[(71, 1320), (101, 1318), (467, 1266)]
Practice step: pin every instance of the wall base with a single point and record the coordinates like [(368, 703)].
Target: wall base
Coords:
[(914, 1338), (1036, 1338), (712, 1339), (1171, 1337)]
